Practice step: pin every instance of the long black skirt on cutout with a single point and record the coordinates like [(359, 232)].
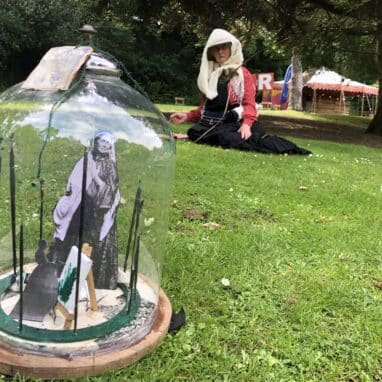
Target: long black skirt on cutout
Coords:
[(226, 135)]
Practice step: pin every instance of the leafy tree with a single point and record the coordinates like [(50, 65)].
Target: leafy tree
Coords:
[(28, 28), (341, 34), (362, 24), (160, 41)]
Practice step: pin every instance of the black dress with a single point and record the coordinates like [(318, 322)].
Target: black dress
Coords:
[(218, 130)]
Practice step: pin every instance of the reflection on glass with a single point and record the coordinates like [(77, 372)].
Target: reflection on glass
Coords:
[(128, 143)]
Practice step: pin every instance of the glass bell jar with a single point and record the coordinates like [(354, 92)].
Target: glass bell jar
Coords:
[(88, 166)]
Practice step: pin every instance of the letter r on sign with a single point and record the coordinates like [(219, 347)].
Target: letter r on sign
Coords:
[(265, 81)]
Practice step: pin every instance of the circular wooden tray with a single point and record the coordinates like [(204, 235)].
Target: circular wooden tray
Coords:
[(13, 360)]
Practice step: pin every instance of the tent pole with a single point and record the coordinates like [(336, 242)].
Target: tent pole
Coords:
[(368, 102), (340, 101), (362, 103)]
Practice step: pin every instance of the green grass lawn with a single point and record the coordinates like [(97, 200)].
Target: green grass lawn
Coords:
[(299, 240)]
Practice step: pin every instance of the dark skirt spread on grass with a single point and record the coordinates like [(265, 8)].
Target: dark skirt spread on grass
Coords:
[(226, 135)]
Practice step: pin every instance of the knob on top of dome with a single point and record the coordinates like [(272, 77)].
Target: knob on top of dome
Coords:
[(88, 30)]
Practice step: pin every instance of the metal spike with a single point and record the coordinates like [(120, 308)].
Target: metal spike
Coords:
[(133, 218), (1, 158), (80, 235), (21, 249), (41, 208), (12, 191), (135, 258)]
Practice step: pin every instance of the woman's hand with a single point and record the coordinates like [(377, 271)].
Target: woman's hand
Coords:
[(245, 131), (179, 117)]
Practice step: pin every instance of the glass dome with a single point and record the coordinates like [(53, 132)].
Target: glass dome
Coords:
[(91, 166)]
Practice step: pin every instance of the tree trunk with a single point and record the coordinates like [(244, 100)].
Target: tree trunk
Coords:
[(375, 126), (295, 101)]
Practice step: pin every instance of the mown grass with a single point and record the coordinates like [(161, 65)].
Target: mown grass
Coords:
[(299, 240)]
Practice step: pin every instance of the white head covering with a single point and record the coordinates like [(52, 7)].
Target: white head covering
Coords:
[(107, 137), (210, 70)]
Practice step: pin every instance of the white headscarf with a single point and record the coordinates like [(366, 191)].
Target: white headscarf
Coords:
[(210, 70), (107, 137)]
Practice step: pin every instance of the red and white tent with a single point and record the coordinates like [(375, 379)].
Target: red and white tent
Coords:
[(325, 91), (326, 79)]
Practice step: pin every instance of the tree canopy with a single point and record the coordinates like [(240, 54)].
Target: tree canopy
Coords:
[(160, 41)]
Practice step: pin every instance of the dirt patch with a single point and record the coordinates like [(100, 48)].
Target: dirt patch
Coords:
[(192, 214), (316, 130)]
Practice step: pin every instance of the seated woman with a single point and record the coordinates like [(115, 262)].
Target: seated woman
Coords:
[(227, 114)]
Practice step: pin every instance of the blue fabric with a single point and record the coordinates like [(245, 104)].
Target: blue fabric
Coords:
[(287, 77)]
